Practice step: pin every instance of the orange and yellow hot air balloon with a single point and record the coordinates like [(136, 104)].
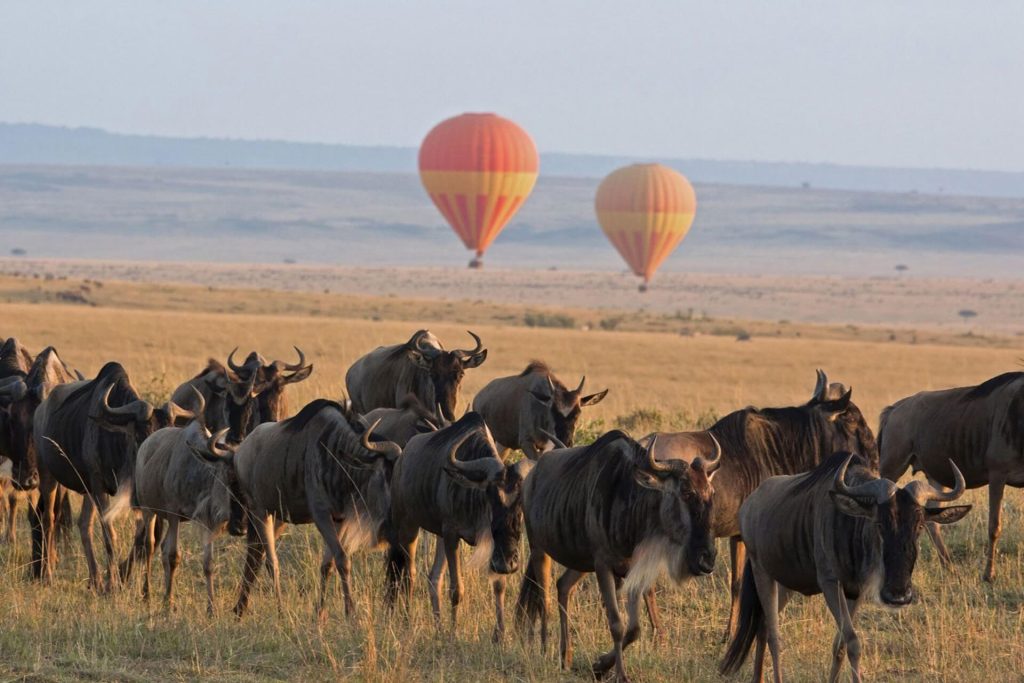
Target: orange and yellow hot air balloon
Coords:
[(478, 169), (646, 211)]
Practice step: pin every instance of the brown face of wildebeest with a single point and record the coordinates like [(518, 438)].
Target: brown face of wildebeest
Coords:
[(445, 368), (503, 487), (564, 407), (898, 514), (257, 391)]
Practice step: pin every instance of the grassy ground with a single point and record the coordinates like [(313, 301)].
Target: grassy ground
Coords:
[(961, 630)]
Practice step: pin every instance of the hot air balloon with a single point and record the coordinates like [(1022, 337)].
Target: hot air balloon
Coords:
[(646, 211), (478, 169)]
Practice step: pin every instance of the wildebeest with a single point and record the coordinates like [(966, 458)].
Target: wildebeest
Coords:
[(452, 484), (839, 530), (86, 436), (182, 474), (319, 466), (404, 422), (15, 361), (421, 366), (257, 391), (20, 395), (758, 443), (519, 409), (613, 509), (211, 384), (979, 428)]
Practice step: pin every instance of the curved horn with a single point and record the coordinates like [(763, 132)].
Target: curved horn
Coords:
[(139, 410), (200, 410), (218, 450), (652, 464), (388, 449), (878, 490), (583, 380), (237, 369), (298, 366), (923, 492), (710, 466), (452, 461), (469, 354), (428, 350), (821, 386)]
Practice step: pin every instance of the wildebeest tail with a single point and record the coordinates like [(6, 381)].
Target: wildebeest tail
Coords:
[(396, 572), (530, 604), (751, 621)]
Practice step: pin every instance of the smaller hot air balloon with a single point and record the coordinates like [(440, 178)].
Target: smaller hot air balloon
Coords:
[(478, 169), (645, 211)]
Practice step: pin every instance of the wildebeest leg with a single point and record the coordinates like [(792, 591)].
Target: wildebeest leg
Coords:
[(768, 592), (269, 538), (9, 505), (651, 601), (609, 596), (41, 521), (63, 520), (209, 536), (109, 541), (451, 551), (839, 644), (995, 504), (737, 560), (148, 524), (435, 581), (565, 585), (498, 586), (334, 556), (85, 519), (255, 549), (169, 553), (138, 551), (832, 591), (607, 660)]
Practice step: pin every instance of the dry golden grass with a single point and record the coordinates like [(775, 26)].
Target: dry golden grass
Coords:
[(962, 630)]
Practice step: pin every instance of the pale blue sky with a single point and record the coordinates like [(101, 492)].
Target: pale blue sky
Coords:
[(909, 83)]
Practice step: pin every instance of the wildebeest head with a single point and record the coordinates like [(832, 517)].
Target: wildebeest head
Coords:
[(257, 390), (19, 398), (558, 407), (483, 470), (136, 417), (686, 499), (378, 455), (850, 431), (444, 368), (227, 498), (898, 515)]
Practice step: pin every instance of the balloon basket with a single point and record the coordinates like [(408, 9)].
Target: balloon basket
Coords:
[(476, 263), (642, 288)]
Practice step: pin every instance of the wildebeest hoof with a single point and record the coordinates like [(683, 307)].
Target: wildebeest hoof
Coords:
[(602, 665)]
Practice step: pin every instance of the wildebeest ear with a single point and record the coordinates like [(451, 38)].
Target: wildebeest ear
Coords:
[(475, 360), (593, 399), (954, 513), (849, 505)]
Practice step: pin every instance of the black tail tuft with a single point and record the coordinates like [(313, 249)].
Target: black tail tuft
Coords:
[(751, 622), (533, 592), (397, 574)]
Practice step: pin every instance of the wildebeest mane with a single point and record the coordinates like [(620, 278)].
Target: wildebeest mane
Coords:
[(37, 373), (987, 387), (536, 366), (298, 422)]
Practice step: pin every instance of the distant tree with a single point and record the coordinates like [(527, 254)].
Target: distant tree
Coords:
[(902, 267), (18, 251), (967, 314)]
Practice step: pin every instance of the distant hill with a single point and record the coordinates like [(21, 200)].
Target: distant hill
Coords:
[(40, 144)]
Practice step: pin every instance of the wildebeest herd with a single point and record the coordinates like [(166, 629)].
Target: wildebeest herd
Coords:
[(805, 494)]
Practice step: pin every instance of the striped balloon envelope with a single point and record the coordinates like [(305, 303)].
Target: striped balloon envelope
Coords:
[(645, 210), (478, 169)]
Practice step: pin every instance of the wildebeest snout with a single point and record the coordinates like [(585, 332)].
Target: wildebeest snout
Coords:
[(702, 562), (897, 598)]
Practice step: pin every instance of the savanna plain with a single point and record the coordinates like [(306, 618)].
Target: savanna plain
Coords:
[(664, 372)]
